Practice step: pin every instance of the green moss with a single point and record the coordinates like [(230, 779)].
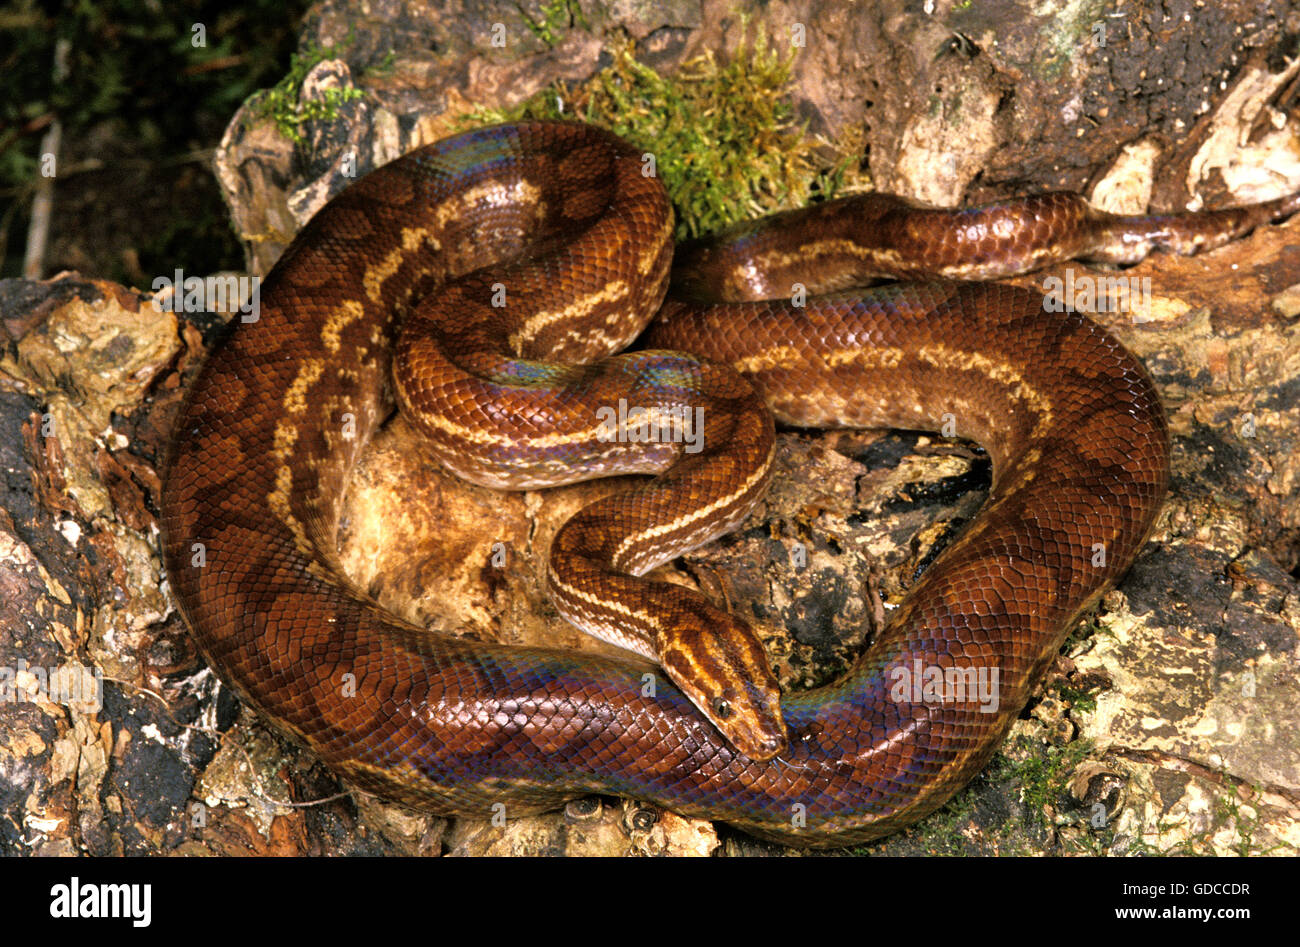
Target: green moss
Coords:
[(385, 66), (282, 103), (1089, 627), (1043, 777), (1228, 811), (723, 135), (1079, 699), (555, 17)]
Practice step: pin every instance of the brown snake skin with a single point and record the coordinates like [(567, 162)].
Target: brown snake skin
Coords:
[(264, 445)]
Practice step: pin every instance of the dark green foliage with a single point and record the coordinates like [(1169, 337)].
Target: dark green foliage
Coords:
[(167, 88)]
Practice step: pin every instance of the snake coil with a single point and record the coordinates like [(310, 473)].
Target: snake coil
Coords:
[(1073, 424)]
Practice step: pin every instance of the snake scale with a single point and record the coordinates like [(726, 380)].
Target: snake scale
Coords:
[(561, 219)]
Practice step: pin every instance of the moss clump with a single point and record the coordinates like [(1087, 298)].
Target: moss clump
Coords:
[(723, 135), (1045, 775), (282, 103), (1079, 698), (555, 17), (1240, 820)]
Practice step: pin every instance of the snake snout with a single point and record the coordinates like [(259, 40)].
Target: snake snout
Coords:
[(766, 736), (749, 716), (720, 665)]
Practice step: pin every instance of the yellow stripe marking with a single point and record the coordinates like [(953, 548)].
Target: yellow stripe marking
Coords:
[(605, 605), (378, 274), (694, 516), (309, 372), (338, 320), (614, 291)]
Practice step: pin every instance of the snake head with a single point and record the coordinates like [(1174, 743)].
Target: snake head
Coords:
[(717, 661)]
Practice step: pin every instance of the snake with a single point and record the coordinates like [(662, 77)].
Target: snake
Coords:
[(501, 273)]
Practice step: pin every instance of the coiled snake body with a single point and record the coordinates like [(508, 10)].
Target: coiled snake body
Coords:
[(578, 239)]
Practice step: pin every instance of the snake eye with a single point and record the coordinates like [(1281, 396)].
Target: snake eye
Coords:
[(722, 709)]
